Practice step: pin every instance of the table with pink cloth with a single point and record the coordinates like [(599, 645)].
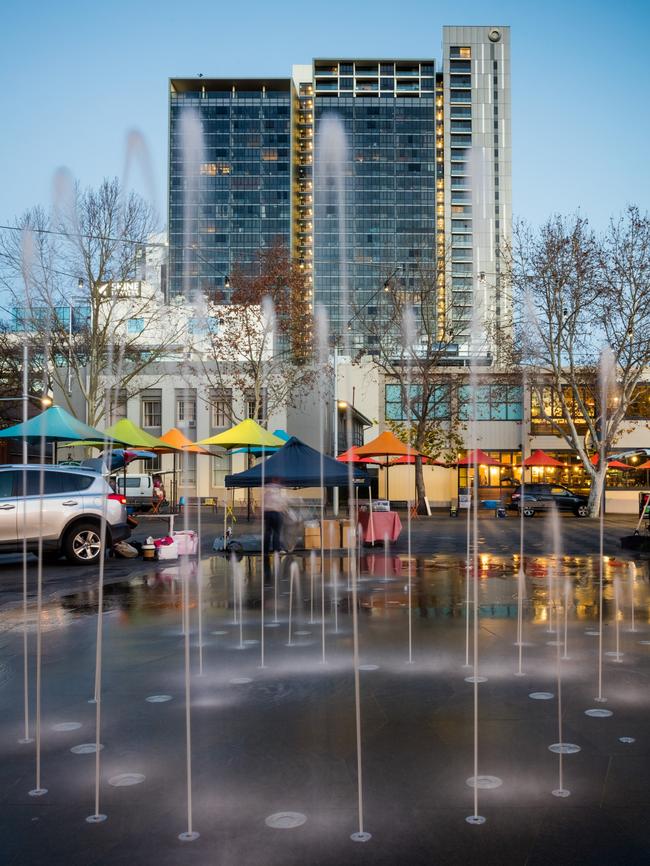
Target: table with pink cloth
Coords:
[(378, 525)]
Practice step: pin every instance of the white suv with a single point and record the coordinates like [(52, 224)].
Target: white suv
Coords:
[(68, 515)]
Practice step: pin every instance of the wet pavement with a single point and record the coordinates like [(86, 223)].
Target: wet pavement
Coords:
[(281, 739)]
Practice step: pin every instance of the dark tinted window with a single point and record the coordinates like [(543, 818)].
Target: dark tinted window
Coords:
[(6, 484), (55, 482)]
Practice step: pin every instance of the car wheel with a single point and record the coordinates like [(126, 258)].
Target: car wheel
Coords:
[(83, 544), (582, 511), (529, 512)]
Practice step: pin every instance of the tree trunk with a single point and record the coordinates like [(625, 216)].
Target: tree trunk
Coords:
[(596, 491), (419, 486)]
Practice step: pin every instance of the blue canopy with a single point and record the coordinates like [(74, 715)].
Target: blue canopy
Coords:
[(257, 452), (298, 465), (54, 425)]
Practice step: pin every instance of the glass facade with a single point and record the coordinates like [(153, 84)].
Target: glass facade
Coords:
[(390, 186), (243, 189)]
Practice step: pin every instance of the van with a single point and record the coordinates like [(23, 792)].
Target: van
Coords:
[(138, 491)]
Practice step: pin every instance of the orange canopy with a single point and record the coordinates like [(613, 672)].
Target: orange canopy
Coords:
[(176, 439), (385, 445)]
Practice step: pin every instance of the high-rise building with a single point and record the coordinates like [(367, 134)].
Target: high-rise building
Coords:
[(427, 178), (242, 194)]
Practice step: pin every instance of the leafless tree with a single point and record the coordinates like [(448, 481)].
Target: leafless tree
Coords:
[(71, 277), (579, 293), (409, 333), (258, 345)]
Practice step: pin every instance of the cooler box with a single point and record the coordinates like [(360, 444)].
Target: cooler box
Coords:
[(167, 551), (187, 542)]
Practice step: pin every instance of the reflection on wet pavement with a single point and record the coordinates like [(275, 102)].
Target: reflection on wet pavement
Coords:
[(281, 739)]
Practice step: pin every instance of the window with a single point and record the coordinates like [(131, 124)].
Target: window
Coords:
[(494, 402), (495, 477), (220, 416), (135, 326), (151, 413), (6, 484), (639, 406), (250, 410), (457, 51), (439, 402), (187, 470), (186, 411), (545, 403), (53, 482)]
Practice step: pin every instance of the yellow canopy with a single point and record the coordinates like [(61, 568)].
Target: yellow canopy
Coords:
[(129, 433), (247, 434)]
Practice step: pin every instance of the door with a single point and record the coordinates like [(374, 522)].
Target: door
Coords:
[(9, 506), (563, 500), (47, 515)]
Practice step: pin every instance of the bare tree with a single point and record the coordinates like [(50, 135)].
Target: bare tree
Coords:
[(252, 342), (408, 336), (71, 276), (579, 294)]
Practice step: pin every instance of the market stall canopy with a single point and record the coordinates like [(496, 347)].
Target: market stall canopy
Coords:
[(645, 465), (177, 439), (119, 458), (477, 457), (541, 458), (297, 465), (385, 445), (57, 425), (247, 434), (613, 463), (130, 434), (409, 460), (351, 456), (259, 450)]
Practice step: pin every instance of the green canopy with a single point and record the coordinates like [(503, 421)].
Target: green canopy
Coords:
[(57, 425), (130, 434)]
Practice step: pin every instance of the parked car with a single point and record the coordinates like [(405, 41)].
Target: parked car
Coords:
[(138, 490), (68, 514), (540, 497)]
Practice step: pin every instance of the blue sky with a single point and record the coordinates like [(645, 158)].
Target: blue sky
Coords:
[(77, 76)]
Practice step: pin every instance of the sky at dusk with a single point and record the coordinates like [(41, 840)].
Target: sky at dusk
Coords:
[(78, 77)]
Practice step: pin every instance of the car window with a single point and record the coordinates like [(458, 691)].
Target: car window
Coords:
[(6, 484), (54, 482), (559, 491)]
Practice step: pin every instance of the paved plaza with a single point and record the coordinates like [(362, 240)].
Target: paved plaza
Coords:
[(281, 739)]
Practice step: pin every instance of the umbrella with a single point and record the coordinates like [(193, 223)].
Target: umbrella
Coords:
[(179, 440), (386, 445), (541, 458), (247, 434), (611, 464), (645, 465), (257, 451), (351, 456), (410, 460), (56, 425)]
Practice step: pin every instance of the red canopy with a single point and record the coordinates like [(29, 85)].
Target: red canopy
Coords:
[(645, 465), (477, 457), (612, 464), (351, 456), (430, 461), (541, 458)]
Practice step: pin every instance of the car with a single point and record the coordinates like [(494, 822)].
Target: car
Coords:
[(540, 497), (138, 490), (63, 505)]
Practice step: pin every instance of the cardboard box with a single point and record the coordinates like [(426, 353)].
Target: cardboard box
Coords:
[(348, 536), (331, 535), (312, 537)]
